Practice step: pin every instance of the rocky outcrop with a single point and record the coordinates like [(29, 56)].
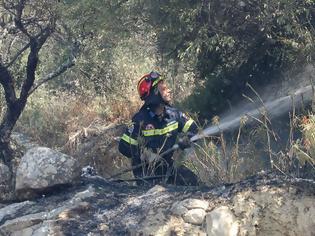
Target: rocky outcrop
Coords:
[(41, 168), (262, 205)]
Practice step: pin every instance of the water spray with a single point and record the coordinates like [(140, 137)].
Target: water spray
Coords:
[(272, 108)]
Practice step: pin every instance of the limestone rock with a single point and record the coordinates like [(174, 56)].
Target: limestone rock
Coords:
[(178, 209), (156, 189), (181, 208), (12, 209), (40, 222), (221, 222), (273, 211), (191, 203), (42, 167), (195, 216)]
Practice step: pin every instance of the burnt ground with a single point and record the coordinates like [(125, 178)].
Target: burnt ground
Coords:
[(109, 208)]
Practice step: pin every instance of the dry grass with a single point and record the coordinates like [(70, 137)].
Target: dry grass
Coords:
[(304, 149), (216, 160), (52, 120)]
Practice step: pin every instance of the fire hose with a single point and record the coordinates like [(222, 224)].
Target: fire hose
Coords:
[(173, 148)]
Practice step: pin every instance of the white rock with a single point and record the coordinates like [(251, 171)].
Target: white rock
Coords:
[(156, 189), (195, 216), (191, 203), (42, 167), (178, 209), (221, 222), (12, 209)]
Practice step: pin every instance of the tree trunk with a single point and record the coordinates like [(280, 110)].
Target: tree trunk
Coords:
[(10, 118), (5, 150), (6, 153)]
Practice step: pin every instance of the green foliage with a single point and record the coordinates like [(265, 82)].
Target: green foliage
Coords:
[(221, 45), (229, 43), (113, 56)]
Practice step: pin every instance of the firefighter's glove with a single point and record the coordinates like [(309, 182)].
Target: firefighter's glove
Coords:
[(149, 156), (184, 142)]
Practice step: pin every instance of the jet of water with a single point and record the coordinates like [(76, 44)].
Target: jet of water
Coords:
[(271, 109)]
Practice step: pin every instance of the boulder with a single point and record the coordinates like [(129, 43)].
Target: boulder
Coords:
[(41, 168), (194, 216), (178, 209), (191, 203), (181, 208), (221, 222)]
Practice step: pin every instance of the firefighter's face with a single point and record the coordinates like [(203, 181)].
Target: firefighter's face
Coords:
[(164, 91)]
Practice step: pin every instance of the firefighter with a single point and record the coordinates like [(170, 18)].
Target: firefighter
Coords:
[(155, 128)]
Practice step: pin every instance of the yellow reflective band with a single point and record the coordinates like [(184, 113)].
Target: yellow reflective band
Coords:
[(129, 140), (167, 129), (157, 81), (187, 125)]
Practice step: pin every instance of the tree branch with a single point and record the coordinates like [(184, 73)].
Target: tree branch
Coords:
[(18, 18), (17, 55), (61, 69), (35, 46)]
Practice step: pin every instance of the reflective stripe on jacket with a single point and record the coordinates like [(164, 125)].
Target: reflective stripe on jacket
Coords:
[(147, 130)]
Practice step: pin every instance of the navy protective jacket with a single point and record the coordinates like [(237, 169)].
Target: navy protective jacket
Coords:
[(158, 134)]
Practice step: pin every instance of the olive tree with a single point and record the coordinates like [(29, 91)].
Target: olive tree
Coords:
[(26, 27)]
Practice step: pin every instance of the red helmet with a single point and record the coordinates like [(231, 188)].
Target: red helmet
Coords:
[(147, 82)]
